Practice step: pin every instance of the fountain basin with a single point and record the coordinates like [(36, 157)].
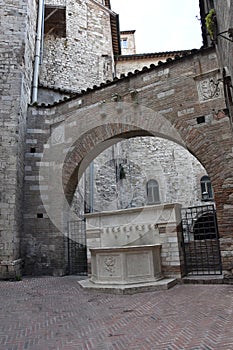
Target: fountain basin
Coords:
[(126, 265)]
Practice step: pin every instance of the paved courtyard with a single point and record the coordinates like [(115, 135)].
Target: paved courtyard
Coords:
[(55, 313)]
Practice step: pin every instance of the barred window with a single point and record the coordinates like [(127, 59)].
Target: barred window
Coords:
[(206, 188)]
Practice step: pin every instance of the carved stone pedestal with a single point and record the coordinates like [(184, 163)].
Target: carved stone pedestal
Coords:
[(127, 270), (126, 265)]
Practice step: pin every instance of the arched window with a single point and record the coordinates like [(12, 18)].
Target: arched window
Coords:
[(206, 188), (152, 189)]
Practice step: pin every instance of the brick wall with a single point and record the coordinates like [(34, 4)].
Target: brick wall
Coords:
[(177, 93)]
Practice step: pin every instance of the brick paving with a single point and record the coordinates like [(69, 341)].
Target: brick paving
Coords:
[(56, 313)]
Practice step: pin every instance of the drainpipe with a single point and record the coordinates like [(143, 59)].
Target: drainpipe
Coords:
[(42, 35), (92, 187), (40, 24)]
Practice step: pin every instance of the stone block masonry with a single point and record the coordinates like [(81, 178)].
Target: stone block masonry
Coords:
[(84, 57), (222, 38), (181, 100), (16, 57), (104, 120), (140, 227), (176, 171)]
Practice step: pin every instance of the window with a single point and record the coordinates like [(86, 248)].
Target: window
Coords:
[(201, 119), (124, 43), (152, 189), (206, 188), (55, 21)]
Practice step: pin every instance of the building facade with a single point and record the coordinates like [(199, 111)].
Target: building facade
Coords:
[(222, 39), (78, 72), (16, 56), (120, 176), (143, 171), (77, 47), (128, 43)]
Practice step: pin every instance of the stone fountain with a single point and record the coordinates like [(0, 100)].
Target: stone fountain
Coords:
[(135, 249)]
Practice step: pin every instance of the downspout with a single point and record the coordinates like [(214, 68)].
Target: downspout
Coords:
[(40, 25), (92, 187), (42, 35), (118, 53)]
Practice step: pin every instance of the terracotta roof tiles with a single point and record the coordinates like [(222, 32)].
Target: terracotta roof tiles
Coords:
[(184, 55)]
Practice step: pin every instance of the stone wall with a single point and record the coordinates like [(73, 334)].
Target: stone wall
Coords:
[(188, 93), (130, 65), (222, 39), (84, 57), (224, 47), (224, 17), (177, 172), (43, 247), (176, 100), (16, 57), (224, 50), (129, 48)]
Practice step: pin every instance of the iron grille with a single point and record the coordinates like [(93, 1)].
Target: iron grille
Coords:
[(77, 248), (200, 240)]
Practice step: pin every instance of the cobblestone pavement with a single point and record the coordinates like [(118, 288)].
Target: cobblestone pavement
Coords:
[(55, 313)]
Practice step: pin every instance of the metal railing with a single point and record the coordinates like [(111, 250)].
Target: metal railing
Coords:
[(77, 247), (200, 240)]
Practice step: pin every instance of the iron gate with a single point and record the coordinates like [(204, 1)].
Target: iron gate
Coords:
[(77, 247), (200, 240)]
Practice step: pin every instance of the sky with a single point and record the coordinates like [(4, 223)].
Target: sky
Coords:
[(161, 25)]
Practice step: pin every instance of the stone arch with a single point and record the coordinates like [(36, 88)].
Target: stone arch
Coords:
[(88, 131), (98, 138), (84, 152), (203, 147)]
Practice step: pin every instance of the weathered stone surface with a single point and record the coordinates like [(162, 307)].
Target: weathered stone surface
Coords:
[(126, 265), (88, 136), (16, 57), (84, 57), (176, 171), (138, 227), (163, 101)]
